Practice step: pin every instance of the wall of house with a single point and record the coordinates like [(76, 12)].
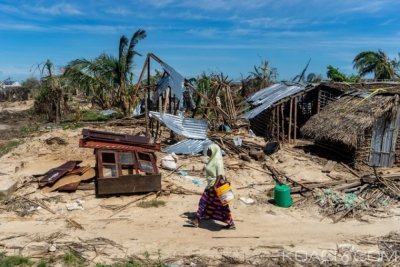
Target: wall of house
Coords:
[(262, 124), (361, 157), (397, 157)]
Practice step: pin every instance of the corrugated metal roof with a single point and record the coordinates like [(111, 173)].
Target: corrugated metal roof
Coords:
[(266, 97), (188, 127), (360, 94), (173, 80), (188, 147)]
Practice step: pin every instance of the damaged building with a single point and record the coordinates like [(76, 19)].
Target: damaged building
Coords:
[(362, 127), (278, 111)]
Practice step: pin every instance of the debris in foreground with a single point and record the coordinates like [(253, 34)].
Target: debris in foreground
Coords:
[(66, 177), (124, 163)]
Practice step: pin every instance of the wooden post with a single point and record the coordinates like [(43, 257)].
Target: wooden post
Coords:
[(148, 79), (277, 123), (146, 114), (273, 122), (147, 97), (290, 120), (295, 119), (166, 100), (158, 130), (319, 101), (283, 123), (170, 102)]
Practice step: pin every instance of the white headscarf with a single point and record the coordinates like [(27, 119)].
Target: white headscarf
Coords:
[(215, 165)]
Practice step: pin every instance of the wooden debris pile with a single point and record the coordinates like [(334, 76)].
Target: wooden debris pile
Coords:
[(23, 206), (344, 255), (66, 177), (246, 150), (368, 194), (342, 198), (390, 244)]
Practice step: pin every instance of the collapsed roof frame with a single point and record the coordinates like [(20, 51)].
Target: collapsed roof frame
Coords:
[(146, 70)]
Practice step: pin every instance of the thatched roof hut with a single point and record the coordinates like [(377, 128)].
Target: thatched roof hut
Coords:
[(346, 120), (359, 124)]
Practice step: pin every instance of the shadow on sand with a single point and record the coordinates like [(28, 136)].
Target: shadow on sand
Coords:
[(210, 225)]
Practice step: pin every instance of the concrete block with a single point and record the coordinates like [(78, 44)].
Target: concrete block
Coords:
[(7, 186)]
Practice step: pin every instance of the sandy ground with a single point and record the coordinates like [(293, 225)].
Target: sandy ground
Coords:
[(261, 227), (16, 106)]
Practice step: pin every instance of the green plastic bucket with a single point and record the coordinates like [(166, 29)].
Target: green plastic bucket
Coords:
[(282, 196)]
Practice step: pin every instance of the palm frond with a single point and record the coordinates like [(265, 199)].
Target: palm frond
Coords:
[(136, 37)]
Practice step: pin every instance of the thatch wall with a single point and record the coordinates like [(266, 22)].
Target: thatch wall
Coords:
[(361, 157), (347, 119)]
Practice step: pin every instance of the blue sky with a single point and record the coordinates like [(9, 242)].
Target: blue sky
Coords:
[(203, 35)]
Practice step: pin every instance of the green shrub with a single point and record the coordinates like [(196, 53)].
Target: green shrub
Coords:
[(9, 146), (11, 261), (70, 259)]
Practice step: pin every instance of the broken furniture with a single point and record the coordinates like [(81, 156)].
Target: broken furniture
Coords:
[(66, 177), (124, 163)]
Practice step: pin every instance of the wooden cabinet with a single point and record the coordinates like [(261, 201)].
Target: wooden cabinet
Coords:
[(124, 172)]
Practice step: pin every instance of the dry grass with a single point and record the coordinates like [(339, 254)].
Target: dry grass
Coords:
[(155, 203)]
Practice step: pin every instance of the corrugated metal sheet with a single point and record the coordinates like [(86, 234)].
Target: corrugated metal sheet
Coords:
[(188, 147), (173, 80), (190, 128), (360, 94), (266, 97), (383, 143)]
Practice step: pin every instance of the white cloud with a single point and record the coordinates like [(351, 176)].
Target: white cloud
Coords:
[(208, 5), (160, 3), (274, 23), (356, 6), (21, 27), (95, 28), (120, 11), (58, 9), (9, 9), (100, 29), (210, 46), (388, 22), (361, 42)]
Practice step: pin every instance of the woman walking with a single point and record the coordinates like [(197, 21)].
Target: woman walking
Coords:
[(210, 206)]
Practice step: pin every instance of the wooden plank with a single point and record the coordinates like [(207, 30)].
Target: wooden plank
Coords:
[(329, 166), (298, 189), (277, 123), (273, 122), (69, 179), (290, 120), (352, 208), (350, 169), (283, 124), (347, 186), (128, 184), (295, 120)]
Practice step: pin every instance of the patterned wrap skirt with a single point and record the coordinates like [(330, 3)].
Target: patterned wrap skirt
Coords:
[(210, 207)]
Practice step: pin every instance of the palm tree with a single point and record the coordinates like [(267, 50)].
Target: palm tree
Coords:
[(377, 63), (264, 75), (49, 98), (108, 78)]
